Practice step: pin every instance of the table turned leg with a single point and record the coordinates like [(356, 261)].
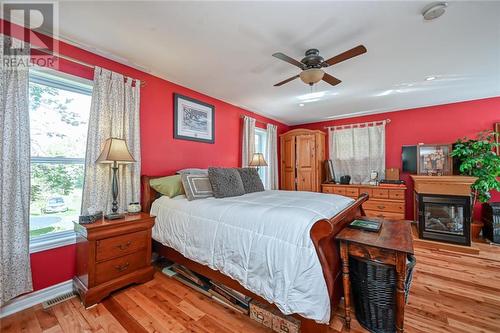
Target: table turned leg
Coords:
[(344, 254), (400, 290)]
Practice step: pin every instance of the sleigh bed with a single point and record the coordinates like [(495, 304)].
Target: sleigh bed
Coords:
[(321, 233)]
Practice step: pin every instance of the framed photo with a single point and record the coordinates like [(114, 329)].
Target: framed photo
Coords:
[(434, 160), (193, 120), (497, 135)]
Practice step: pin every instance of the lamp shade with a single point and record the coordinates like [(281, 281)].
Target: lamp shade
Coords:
[(312, 75), (115, 150), (258, 160)]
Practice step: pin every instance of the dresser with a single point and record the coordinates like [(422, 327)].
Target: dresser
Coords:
[(302, 157), (384, 202), (111, 254)]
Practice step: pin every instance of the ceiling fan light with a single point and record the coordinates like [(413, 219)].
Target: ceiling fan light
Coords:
[(312, 75)]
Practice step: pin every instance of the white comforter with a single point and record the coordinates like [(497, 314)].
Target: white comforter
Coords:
[(260, 239)]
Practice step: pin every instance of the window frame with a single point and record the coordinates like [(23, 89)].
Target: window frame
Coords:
[(62, 81)]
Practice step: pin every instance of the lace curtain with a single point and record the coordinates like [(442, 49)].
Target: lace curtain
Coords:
[(272, 182), (357, 151), (15, 270), (248, 141), (114, 112)]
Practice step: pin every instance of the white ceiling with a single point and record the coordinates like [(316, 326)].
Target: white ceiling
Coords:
[(223, 49)]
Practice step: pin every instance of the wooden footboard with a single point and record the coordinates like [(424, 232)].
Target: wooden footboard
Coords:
[(322, 234)]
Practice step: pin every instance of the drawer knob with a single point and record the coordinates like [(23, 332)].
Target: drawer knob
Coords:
[(121, 268), (124, 246), (380, 207)]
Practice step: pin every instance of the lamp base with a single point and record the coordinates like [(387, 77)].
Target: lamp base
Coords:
[(114, 216)]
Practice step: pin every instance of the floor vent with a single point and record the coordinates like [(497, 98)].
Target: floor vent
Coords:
[(58, 299)]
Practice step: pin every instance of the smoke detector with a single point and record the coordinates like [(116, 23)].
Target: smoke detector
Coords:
[(434, 10)]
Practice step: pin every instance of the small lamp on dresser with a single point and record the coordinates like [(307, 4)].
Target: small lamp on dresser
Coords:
[(258, 161), (115, 152)]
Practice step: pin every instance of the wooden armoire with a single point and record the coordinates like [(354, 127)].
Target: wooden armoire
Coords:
[(302, 157)]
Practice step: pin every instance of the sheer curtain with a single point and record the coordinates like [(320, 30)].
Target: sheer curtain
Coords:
[(248, 141), (15, 270), (357, 151), (272, 182), (114, 113)]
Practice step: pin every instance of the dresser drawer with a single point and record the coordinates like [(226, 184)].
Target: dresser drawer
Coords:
[(385, 215), (339, 190), (120, 245), (351, 192), (380, 193), (397, 194), (384, 206), (117, 267), (327, 189), (366, 190)]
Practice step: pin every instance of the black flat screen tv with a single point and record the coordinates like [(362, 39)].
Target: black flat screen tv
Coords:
[(409, 159)]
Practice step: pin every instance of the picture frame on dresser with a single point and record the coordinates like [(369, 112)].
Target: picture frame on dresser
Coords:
[(194, 120), (434, 159)]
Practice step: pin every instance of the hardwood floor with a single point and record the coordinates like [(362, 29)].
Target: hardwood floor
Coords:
[(451, 292)]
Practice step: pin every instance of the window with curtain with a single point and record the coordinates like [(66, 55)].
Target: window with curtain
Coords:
[(357, 151), (261, 147), (59, 113)]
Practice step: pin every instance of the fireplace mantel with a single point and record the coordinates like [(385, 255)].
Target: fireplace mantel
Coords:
[(445, 185)]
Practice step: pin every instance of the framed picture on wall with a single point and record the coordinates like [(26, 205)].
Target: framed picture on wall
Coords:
[(434, 160), (193, 120)]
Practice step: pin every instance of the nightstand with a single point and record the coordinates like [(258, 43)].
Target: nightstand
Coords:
[(111, 254)]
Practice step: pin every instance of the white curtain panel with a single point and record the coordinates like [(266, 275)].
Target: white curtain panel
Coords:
[(272, 182), (248, 141), (357, 151), (114, 113), (15, 270)]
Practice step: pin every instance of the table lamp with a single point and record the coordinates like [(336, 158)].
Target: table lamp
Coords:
[(115, 151), (257, 161)]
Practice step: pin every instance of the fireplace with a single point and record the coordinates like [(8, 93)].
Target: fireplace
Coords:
[(444, 218)]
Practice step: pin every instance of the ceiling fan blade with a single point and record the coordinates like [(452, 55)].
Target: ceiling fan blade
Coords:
[(288, 59), (356, 51), (330, 79), (286, 81)]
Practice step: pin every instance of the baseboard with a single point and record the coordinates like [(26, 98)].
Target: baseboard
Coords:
[(26, 301)]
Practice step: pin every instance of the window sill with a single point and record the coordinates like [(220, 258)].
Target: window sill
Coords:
[(52, 241)]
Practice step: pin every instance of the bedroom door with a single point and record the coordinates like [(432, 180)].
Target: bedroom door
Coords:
[(306, 162), (288, 160)]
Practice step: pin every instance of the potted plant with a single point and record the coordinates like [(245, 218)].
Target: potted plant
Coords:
[(478, 159)]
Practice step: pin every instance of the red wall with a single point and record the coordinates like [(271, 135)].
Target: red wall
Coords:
[(161, 154), (435, 124)]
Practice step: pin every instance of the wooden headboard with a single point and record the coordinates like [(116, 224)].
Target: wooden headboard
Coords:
[(148, 194)]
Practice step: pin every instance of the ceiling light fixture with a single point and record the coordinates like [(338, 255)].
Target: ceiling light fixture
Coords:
[(430, 78), (311, 76), (434, 10), (301, 104)]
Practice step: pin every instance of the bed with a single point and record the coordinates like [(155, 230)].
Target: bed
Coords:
[(275, 246)]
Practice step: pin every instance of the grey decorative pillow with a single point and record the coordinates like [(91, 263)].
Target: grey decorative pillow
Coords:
[(196, 186), (226, 182), (251, 180)]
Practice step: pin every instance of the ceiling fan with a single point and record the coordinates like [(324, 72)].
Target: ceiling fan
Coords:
[(312, 64)]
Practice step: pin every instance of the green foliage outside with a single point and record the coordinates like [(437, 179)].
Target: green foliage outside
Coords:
[(478, 159)]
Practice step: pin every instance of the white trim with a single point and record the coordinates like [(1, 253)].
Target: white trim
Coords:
[(51, 241), (27, 301)]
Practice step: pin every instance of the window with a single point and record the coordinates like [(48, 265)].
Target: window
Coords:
[(261, 147), (59, 114)]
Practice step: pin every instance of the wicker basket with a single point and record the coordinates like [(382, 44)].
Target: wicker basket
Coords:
[(374, 293)]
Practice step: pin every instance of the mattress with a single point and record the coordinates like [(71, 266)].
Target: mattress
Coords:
[(260, 239)]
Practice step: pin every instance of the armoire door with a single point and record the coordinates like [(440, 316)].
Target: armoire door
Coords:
[(288, 156), (305, 155)]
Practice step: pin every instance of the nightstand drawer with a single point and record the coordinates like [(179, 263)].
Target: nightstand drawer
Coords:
[(114, 268), (121, 245), (385, 215), (384, 206)]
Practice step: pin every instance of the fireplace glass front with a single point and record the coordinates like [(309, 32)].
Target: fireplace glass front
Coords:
[(444, 218)]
